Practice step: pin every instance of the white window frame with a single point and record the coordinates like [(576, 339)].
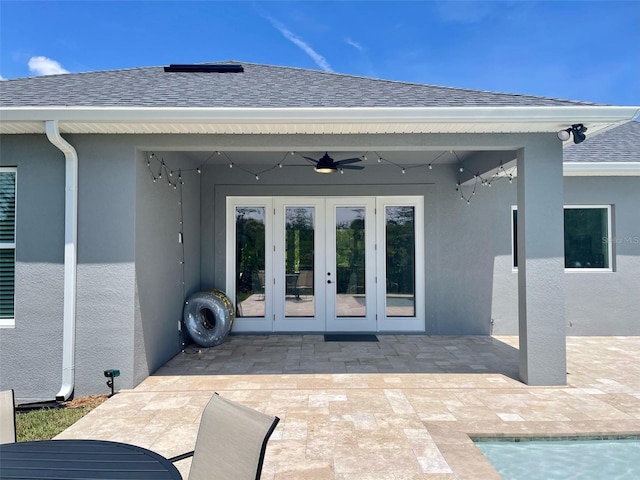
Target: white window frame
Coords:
[(10, 322), (608, 236), (574, 269)]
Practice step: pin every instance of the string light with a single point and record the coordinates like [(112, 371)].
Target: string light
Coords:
[(500, 172), (178, 187)]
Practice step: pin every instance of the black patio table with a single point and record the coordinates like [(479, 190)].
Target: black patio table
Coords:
[(83, 459)]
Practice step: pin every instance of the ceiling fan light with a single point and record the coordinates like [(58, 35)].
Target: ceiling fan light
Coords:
[(326, 169)]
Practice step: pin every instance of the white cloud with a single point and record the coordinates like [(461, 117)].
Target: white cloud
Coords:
[(297, 41), (354, 44), (45, 66), (2, 78)]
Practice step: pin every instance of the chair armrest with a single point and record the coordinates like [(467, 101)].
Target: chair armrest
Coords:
[(177, 458)]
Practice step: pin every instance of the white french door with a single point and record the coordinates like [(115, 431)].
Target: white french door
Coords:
[(326, 264)]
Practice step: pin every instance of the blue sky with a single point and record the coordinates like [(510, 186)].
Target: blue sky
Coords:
[(581, 50)]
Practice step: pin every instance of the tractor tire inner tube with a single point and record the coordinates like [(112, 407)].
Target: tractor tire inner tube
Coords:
[(208, 317)]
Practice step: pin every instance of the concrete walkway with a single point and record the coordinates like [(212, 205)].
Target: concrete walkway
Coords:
[(402, 408)]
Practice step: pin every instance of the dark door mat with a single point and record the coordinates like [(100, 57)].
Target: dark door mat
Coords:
[(350, 337)]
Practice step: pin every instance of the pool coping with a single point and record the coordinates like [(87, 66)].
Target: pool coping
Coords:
[(467, 462), (551, 438)]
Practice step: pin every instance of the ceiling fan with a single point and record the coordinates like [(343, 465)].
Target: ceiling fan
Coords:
[(328, 165)]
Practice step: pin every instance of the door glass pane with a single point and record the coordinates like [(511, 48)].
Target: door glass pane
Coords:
[(299, 261), (400, 262), (350, 262), (250, 261)]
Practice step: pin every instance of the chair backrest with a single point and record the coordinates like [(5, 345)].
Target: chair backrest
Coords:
[(305, 279), (7, 417), (231, 442)]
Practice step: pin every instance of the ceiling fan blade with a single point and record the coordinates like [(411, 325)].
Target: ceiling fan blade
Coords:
[(348, 160), (350, 167), (310, 159)]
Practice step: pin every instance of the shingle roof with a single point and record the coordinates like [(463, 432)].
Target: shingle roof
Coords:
[(259, 86), (620, 144)]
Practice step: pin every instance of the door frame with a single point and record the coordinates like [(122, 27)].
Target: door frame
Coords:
[(274, 320), (368, 322)]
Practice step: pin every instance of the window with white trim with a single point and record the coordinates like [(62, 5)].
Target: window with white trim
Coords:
[(587, 229), (7, 244)]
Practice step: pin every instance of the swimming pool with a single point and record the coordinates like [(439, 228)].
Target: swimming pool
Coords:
[(548, 459)]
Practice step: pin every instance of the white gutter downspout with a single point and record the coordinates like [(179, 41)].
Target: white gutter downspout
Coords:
[(70, 258)]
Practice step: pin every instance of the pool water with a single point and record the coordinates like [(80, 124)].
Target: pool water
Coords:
[(617, 459)]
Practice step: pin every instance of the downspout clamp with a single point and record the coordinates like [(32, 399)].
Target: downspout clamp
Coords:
[(70, 258)]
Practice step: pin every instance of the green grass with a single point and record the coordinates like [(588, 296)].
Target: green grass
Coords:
[(47, 423)]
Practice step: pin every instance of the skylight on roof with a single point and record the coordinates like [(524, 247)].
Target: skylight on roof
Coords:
[(205, 68)]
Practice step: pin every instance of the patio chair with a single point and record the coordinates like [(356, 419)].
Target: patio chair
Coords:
[(304, 284), (231, 443), (7, 417)]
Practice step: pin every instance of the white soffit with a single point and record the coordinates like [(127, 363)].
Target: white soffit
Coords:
[(601, 169), (348, 121)]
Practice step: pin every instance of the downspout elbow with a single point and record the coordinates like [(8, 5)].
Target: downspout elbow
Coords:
[(70, 258)]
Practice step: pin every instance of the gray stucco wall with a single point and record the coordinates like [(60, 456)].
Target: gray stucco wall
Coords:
[(596, 303), (32, 350), (160, 294), (105, 294), (608, 303)]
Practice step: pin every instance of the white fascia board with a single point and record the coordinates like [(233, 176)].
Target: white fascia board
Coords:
[(601, 169), (557, 115)]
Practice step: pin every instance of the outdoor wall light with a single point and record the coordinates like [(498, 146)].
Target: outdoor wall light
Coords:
[(111, 374), (578, 130)]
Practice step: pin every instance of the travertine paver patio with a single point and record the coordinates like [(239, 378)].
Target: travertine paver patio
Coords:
[(398, 409)]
